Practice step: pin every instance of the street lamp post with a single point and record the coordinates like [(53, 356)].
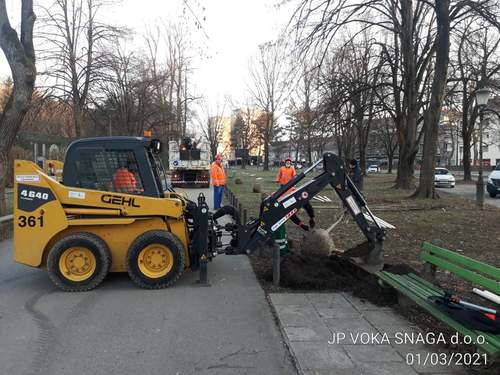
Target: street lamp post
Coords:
[(482, 97)]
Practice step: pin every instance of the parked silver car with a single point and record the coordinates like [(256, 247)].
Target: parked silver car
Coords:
[(443, 178)]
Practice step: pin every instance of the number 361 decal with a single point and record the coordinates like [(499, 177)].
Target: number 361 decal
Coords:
[(30, 221)]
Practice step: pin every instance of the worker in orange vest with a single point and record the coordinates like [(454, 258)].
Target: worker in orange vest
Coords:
[(218, 177), (285, 174)]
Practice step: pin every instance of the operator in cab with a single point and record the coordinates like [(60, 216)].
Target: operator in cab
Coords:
[(218, 177), (124, 178), (124, 181)]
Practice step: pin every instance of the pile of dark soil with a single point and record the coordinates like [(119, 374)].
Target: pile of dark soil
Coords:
[(328, 273)]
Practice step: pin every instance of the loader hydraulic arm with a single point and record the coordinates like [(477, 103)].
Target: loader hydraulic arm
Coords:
[(277, 208)]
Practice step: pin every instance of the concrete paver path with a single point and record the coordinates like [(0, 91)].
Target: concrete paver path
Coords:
[(338, 334)]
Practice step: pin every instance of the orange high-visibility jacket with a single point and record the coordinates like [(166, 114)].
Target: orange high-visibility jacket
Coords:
[(124, 181), (217, 174), (285, 174)]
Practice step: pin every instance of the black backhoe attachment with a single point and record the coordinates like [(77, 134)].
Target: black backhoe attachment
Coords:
[(277, 208)]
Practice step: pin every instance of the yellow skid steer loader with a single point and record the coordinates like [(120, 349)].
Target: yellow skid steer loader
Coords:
[(113, 212)]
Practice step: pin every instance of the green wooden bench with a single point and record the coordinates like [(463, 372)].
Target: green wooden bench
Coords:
[(418, 289)]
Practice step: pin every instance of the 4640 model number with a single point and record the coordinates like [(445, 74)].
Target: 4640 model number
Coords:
[(34, 194), (30, 221)]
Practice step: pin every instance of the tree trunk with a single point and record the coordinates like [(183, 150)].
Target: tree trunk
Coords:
[(468, 120), (77, 119), (466, 156), (266, 156), (362, 157), (309, 150), (407, 124), (3, 183), (362, 142), (390, 159), (433, 113), (405, 178), (267, 139)]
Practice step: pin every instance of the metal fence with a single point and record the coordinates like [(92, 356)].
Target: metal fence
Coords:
[(6, 226), (4, 219)]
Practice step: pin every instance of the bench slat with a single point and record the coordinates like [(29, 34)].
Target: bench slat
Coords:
[(471, 276), (413, 285), (422, 290), (470, 263), (427, 283), (492, 344)]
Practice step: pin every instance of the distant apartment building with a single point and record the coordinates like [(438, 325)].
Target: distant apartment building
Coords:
[(236, 137)]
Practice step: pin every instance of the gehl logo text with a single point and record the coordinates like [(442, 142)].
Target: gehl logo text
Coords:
[(116, 199)]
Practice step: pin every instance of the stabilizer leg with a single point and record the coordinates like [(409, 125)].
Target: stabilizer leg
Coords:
[(202, 239)]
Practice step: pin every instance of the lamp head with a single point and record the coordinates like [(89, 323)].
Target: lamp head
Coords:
[(482, 96)]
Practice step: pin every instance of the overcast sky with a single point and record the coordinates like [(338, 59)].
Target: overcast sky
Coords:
[(234, 29)]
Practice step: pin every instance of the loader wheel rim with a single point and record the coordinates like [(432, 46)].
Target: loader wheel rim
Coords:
[(155, 260), (77, 263)]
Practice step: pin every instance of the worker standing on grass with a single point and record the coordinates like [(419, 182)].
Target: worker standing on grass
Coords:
[(355, 174), (285, 174), (218, 177)]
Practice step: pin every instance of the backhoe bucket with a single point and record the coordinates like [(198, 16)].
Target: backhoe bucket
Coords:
[(367, 253)]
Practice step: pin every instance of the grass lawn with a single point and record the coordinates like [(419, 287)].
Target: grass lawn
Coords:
[(450, 221)]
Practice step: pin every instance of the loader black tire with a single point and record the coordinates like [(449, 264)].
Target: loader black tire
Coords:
[(153, 240), (90, 243)]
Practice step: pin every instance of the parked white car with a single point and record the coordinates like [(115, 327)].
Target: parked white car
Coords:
[(443, 178), (493, 185), (373, 169)]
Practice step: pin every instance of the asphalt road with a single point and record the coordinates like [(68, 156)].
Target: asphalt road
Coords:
[(226, 328), (469, 191)]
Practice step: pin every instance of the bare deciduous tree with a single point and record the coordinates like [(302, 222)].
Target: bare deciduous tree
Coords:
[(212, 122), (74, 49), (385, 134), (475, 63), (20, 55), (416, 60), (268, 76)]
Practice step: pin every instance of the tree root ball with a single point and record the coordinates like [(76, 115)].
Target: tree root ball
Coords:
[(317, 242), (257, 188), (238, 181)]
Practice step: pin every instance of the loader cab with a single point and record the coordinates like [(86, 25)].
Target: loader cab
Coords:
[(119, 164)]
